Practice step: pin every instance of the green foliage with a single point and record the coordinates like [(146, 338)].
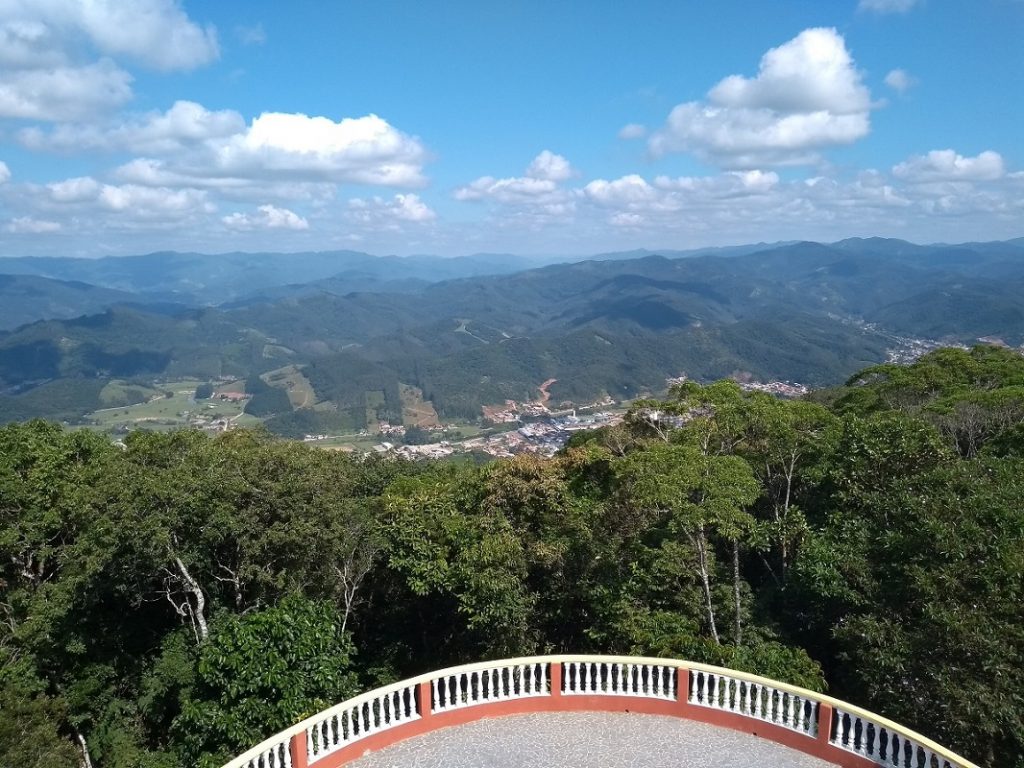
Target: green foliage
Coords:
[(260, 672), (204, 391), (30, 734), (178, 599)]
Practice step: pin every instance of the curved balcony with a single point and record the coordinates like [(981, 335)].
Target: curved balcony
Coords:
[(793, 719)]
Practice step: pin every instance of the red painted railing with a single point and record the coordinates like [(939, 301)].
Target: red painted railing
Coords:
[(819, 725)]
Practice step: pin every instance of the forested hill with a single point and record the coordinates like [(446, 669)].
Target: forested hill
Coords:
[(802, 311), (172, 602)]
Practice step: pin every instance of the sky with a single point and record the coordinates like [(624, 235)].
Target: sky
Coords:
[(535, 128)]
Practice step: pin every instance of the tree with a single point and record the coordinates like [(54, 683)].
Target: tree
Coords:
[(260, 673), (699, 495)]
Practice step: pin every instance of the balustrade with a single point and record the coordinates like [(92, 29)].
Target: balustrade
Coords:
[(844, 729), (480, 686), (605, 678), (351, 721), (885, 746), (756, 700)]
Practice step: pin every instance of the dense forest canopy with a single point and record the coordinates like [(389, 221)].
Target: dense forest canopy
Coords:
[(176, 600)]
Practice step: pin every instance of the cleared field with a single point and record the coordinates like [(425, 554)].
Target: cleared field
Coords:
[(232, 386), (120, 393), (166, 413), (416, 412), (291, 379)]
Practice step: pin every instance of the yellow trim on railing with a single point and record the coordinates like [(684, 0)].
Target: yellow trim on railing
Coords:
[(286, 735)]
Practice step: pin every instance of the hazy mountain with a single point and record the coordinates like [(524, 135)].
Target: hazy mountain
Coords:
[(219, 278), (793, 311), (26, 298)]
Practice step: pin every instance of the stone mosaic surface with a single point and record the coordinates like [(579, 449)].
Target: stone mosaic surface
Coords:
[(587, 740)]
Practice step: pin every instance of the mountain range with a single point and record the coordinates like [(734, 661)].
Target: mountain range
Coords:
[(481, 329)]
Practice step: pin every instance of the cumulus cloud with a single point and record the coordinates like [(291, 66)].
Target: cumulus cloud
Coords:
[(57, 57), (266, 217), (550, 167), (130, 201), (886, 6), (632, 199), (807, 96), (378, 212), (947, 165), (539, 183), (632, 131), (157, 33), (185, 124), (5, 172), (533, 200), (217, 149), (65, 92), (515, 189), (26, 225), (365, 150), (900, 80)]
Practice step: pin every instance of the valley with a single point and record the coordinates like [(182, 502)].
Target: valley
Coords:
[(340, 362)]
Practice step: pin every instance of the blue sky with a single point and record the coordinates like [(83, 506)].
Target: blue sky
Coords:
[(527, 127)]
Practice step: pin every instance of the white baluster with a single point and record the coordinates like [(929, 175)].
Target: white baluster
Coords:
[(656, 671)]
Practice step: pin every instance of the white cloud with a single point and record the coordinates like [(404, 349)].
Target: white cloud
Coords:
[(946, 165), (185, 124), (540, 183), (900, 80), (365, 150), (26, 44), (515, 189), (74, 190), (157, 33), (216, 149), (632, 131), (5, 172), (886, 6), (57, 56), (266, 217), (378, 212), (550, 167), (26, 225), (628, 190), (64, 92), (807, 95), (130, 201)]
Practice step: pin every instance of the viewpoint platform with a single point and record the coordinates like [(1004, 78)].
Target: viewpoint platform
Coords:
[(595, 711)]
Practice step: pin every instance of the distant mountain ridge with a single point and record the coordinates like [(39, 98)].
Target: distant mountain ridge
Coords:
[(804, 311)]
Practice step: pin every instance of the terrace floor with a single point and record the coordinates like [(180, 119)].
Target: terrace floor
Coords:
[(587, 740)]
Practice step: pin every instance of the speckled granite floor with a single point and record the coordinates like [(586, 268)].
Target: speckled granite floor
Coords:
[(587, 740)]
